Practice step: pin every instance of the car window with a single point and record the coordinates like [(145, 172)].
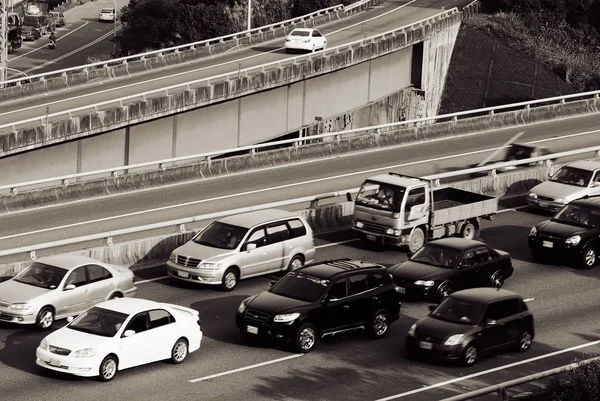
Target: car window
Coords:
[(358, 284), (97, 273), (503, 309), (77, 277), (468, 259), (297, 228), (277, 232), (316, 34), (159, 317), (139, 323), (300, 33), (376, 280), (258, 237), (482, 255), (338, 289)]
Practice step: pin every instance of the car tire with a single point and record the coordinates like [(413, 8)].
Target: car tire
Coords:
[(416, 240), (379, 325), (305, 338), (470, 355), (444, 290), (589, 257), (45, 318), (524, 341), (497, 279), (230, 280), (468, 231), (296, 262), (180, 351), (108, 368)]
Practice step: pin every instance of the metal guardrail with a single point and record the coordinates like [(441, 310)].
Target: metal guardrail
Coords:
[(187, 46), (347, 192), (500, 389), (163, 163)]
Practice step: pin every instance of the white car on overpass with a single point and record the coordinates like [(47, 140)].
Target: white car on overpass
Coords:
[(307, 39)]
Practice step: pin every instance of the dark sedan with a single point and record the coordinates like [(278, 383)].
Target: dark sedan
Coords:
[(30, 33), (470, 323), (450, 264)]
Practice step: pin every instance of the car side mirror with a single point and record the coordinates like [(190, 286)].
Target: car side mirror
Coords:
[(128, 333), (70, 319), (250, 247), (490, 322), (69, 287), (432, 308)]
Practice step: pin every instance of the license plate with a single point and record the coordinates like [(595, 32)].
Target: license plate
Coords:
[(371, 237), (425, 345), (54, 362), (252, 329), (547, 244), (543, 204), (401, 290), (183, 274)]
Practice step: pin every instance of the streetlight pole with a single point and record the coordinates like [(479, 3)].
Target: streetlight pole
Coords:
[(3, 40), (115, 30), (249, 14)]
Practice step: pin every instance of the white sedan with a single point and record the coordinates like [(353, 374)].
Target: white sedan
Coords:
[(120, 334), (107, 14), (307, 39)]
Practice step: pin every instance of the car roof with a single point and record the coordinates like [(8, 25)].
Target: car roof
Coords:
[(392, 179), (484, 295), (303, 29), (456, 242), (129, 305), (68, 261), (329, 268), (585, 164), (250, 219)]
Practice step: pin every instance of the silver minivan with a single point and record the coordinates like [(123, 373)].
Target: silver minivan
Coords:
[(242, 246)]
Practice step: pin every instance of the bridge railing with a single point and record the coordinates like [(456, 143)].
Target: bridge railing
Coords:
[(313, 200)]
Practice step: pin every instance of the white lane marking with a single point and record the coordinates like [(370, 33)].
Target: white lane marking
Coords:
[(151, 280), (42, 47), (190, 71), (485, 372), (258, 190), (245, 368)]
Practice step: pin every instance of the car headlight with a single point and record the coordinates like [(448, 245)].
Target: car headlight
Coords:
[(574, 240), (44, 344), (533, 232), (412, 330), (20, 306), (287, 317), (173, 257), (425, 283), (359, 224), (454, 339), (391, 231), (533, 195), (85, 353), (210, 266)]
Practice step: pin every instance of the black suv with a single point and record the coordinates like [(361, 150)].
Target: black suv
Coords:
[(572, 234), (322, 299)]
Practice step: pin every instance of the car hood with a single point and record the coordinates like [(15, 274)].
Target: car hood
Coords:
[(560, 190), (203, 252), (557, 229), (75, 340), (412, 271), (13, 291), (435, 328), (270, 303)]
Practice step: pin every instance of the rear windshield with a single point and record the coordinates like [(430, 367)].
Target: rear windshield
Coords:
[(300, 33), (107, 10)]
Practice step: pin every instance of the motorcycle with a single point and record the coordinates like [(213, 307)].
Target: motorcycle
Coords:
[(52, 45)]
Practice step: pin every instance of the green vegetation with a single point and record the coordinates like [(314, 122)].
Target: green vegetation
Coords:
[(581, 384), (562, 34)]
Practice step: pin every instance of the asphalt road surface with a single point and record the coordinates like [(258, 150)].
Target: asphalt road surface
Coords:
[(564, 302)]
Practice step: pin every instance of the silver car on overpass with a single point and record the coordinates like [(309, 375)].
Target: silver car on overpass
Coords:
[(59, 286)]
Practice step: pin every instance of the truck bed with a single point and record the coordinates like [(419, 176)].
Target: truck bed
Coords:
[(452, 205)]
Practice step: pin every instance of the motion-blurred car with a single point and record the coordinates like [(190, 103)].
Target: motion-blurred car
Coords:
[(59, 18), (56, 287), (120, 334), (470, 323), (107, 14), (306, 39), (450, 264), (30, 33)]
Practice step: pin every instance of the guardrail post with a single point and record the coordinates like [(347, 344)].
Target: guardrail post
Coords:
[(114, 174), (14, 191), (348, 196), (494, 173), (109, 241), (161, 166), (501, 394), (437, 182), (182, 228), (65, 182), (32, 255), (314, 204)]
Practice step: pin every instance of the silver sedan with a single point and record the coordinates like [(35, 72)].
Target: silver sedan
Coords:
[(56, 287)]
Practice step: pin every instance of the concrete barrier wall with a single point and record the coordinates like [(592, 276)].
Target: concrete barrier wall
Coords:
[(147, 252)]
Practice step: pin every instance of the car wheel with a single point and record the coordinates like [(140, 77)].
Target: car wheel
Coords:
[(524, 341), (470, 355), (468, 231), (444, 290), (379, 325), (108, 368), (417, 240), (305, 338), (45, 318), (589, 257), (296, 262), (230, 280), (497, 279), (179, 351)]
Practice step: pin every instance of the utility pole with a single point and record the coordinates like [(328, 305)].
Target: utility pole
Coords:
[(3, 40), (249, 14)]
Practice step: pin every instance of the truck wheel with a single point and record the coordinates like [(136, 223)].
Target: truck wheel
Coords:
[(417, 240), (468, 231)]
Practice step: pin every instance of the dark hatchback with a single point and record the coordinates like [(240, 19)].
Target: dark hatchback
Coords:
[(450, 264), (30, 33), (471, 323), (572, 235), (321, 299)]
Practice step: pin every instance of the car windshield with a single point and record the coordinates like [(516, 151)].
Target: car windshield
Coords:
[(578, 215), (221, 235), (28, 20), (42, 275), (458, 311), (106, 11), (300, 33), (436, 255), (380, 196), (99, 321), (298, 285), (572, 176)]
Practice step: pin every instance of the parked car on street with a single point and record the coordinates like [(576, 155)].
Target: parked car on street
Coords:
[(30, 33), (450, 264), (56, 287), (59, 18), (120, 334), (305, 39), (320, 300), (44, 23), (242, 246), (107, 15), (470, 323), (572, 235)]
